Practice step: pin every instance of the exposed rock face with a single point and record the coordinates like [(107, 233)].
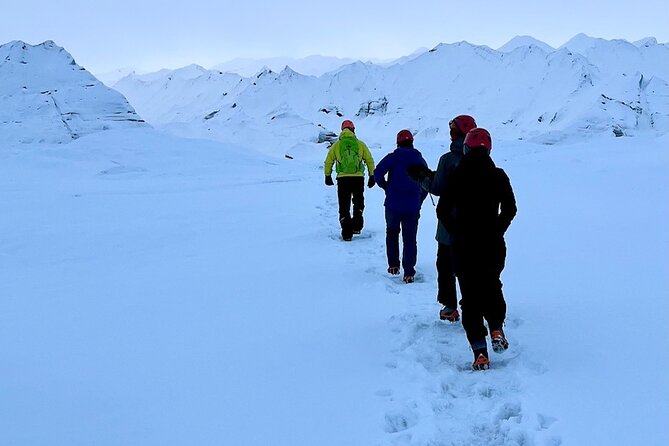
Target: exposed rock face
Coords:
[(47, 97), (331, 109), (327, 136), (377, 107)]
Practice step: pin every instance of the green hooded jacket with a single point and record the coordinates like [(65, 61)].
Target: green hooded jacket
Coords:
[(334, 156)]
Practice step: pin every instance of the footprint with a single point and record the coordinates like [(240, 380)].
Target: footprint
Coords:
[(509, 410), (400, 420), (545, 421)]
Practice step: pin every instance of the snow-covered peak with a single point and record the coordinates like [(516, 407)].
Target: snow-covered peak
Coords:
[(581, 43), (191, 71), (47, 97), (314, 65), (461, 51), (46, 55), (647, 41), (524, 41), (109, 78), (288, 73), (264, 71)]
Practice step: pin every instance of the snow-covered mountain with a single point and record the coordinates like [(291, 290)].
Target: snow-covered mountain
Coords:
[(524, 41), (109, 78), (47, 97), (310, 65), (589, 86), (314, 65)]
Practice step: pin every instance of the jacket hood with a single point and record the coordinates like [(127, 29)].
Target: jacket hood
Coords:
[(478, 157), (346, 133), (457, 144)]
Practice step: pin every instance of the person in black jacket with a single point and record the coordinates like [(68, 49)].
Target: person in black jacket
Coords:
[(477, 209), (435, 183)]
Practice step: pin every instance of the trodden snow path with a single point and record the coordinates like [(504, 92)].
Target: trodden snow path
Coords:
[(432, 396)]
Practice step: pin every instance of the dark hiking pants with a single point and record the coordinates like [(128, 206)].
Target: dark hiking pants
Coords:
[(446, 290), (350, 190), (405, 222), (478, 271)]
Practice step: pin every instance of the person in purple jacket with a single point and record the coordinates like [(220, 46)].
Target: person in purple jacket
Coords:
[(404, 198)]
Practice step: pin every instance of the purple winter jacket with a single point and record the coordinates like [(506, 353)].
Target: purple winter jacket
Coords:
[(402, 193)]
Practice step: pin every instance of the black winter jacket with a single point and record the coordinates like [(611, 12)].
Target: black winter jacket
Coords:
[(436, 185), (477, 208)]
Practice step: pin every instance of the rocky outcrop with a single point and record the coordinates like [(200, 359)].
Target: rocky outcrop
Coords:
[(376, 107)]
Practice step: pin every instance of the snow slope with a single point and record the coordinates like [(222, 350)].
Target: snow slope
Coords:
[(166, 291), (47, 97), (587, 88)]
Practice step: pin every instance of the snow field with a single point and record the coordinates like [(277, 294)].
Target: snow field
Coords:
[(158, 290)]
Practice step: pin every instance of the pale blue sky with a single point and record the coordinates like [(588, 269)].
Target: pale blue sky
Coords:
[(151, 34)]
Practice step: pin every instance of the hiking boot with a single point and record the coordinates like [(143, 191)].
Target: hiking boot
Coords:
[(481, 362), (499, 342), (394, 270), (357, 231), (408, 278), (446, 314), (347, 237)]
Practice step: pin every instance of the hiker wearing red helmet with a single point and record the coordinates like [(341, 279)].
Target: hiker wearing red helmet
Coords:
[(477, 209), (348, 155), (435, 183), (403, 202)]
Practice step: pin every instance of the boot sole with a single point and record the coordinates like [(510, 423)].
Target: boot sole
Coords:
[(499, 347), (444, 318)]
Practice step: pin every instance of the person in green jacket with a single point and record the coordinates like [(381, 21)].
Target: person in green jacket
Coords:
[(348, 155)]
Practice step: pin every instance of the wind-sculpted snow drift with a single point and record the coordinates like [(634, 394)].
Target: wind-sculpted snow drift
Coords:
[(524, 91), (46, 97)]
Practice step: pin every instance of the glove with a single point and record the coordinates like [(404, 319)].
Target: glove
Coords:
[(416, 171), (419, 172), (328, 180), (371, 182)]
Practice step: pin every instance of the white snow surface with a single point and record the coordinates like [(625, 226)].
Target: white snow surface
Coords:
[(46, 97), (587, 88), (164, 291)]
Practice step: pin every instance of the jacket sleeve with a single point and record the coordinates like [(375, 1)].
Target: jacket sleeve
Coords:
[(424, 191), (330, 159), (367, 156), (438, 182), (381, 170), (508, 207), (446, 205)]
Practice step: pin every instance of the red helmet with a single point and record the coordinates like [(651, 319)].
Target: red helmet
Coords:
[(347, 124), (461, 125), (478, 137), (404, 136)]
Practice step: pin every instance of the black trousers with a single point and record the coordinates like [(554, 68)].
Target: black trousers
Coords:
[(478, 268), (446, 290), (351, 190)]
